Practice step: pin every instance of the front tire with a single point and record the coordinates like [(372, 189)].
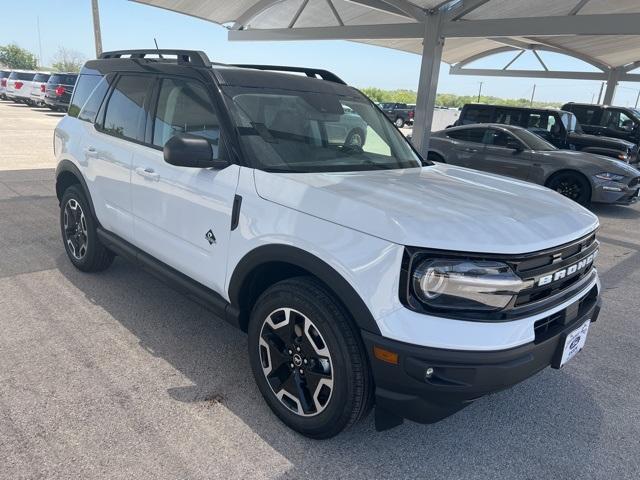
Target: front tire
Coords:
[(572, 185), (399, 122), (307, 358), (79, 233)]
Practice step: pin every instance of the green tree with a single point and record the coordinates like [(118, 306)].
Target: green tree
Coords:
[(68, 60), (15, 57), (450, 99)]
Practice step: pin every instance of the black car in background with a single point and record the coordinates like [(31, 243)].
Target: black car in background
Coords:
[(58, 91), (399, 113), (607, 120), (558, 127)]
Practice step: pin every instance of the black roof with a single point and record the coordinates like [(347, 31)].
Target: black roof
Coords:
[(534, 109), (175, 61)]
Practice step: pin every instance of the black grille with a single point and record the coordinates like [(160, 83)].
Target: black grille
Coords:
[(549, 262), (551, 325), (634, 182)]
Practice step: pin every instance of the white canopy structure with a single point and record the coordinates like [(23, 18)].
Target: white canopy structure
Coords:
[(602, 33)]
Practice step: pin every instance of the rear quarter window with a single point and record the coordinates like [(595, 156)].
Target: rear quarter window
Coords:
[(81, 92)]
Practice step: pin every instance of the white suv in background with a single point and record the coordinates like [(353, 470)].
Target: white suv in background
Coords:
[(19, 85), (363, 275)]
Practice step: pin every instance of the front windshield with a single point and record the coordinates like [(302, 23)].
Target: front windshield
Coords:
[(300, 131), (533, 141)]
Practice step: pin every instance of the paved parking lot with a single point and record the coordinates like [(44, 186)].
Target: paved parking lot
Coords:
[(114, 375)]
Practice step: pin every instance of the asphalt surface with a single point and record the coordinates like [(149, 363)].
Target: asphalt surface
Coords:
[(116, 376)]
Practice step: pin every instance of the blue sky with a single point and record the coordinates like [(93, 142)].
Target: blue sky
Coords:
[(125, 24)]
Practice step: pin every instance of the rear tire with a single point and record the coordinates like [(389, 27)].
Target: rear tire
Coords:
[(572, 185), (299, 322), (399, 122), (79, 233)]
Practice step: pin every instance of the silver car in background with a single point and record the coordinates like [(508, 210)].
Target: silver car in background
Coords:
[(516, 152)]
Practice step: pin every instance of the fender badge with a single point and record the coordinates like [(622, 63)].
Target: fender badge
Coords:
[(211, 238)]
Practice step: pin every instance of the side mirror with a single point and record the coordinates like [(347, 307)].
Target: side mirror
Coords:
[(186, 150), (515, 145)]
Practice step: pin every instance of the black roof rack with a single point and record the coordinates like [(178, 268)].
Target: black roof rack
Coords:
[(191, 57), (309, 72)]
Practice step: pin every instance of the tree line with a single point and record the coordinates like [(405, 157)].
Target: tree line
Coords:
[(17, 58), (450, 99)]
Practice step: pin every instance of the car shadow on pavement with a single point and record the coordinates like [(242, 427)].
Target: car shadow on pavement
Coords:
[(549, 424)]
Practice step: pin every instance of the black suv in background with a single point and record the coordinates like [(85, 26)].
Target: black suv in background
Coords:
[(558, 127), (59, 89), (610, 121)]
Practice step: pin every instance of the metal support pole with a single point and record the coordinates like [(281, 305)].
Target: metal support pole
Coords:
[(428, 82), (480, 91), (96, 27), (533, 95), (600, 94), (612, 84), (637, 99)]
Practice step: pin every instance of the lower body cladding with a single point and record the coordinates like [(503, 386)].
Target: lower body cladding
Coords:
[(425, 384)]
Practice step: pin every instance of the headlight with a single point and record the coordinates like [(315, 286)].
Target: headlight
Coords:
[(465, 284), (609, 176)]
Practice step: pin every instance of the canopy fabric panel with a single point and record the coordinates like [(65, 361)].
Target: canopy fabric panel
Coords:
[(610, 50)]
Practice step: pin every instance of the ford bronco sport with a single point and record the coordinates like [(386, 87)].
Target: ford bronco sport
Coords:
[(362, 276)]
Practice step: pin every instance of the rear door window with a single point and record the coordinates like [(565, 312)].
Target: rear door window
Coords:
[(125, 109), (586, 115), (508, 116), (476, 115)]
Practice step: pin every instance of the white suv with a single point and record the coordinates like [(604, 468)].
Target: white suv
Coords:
[(361, 275)]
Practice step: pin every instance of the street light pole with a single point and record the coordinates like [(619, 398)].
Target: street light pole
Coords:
[(480, 91), (96, 27), (638, 99)]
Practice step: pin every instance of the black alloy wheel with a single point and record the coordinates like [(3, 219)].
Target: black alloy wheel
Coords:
[(572, 186)]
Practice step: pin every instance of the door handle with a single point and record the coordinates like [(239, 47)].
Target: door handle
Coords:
[(471, 150), (90, 152), (148, 173)]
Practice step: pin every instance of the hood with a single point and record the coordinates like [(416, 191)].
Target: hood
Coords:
[(440, 207), (602, 162), (600, 140)]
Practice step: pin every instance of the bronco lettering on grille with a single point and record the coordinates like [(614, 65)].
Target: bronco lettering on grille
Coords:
[(568, 271)]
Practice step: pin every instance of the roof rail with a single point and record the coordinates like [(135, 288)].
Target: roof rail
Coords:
[(309, 72), (191, 57)]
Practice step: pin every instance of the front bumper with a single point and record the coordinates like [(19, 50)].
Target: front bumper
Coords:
[(616, 193), (460, 376)]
